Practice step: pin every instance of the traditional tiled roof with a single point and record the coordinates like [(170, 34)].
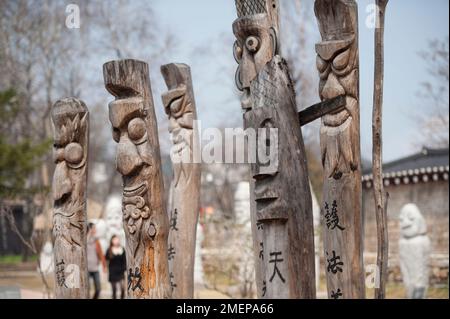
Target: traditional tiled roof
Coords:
[(428, 165)]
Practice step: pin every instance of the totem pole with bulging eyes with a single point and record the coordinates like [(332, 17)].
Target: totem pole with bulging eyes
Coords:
[(282, 214), (138, 160), (70, 119), (338, 66), (184, 198)]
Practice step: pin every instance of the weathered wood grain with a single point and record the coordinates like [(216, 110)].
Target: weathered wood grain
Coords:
[(380, 199), (281, 187), (179, 104), (138, 160), (316, 111), (338, 66), (70, 119)]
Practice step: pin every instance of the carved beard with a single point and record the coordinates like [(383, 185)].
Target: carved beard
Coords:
[(338, 133), (68, 224), (181, 154), (135, 211), (338, 143), (181, 119)]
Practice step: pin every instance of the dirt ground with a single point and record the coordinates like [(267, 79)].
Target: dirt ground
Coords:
[(32, 287)]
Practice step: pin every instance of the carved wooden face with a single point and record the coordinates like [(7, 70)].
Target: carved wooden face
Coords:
[(338, 70), (255, 46), (265, 170), (337, 63), (134, 160), (70, 155), (129, 126), (179, 107)]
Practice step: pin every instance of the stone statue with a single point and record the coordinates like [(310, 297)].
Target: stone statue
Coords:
[(414, 249), (113, 218), (46, 259), (199, 274)]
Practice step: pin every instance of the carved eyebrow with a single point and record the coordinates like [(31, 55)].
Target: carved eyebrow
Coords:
[(59, 144), (328, 49), (171, 95), (257, 24), (121, 111)]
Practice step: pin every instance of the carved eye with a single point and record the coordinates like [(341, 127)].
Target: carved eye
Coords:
[(321, 64), (58, 154), (175, 106), (237, 52), (136, 130), (252, 44), (237, 79), (116, 134), (73, 153), (341, 60)]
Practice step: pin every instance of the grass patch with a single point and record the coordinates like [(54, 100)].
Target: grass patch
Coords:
[(15, 259)]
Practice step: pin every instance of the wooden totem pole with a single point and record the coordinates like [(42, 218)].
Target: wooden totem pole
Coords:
[(281, 187), (138, 160), (338, 66), (179, 105), (71, 134)]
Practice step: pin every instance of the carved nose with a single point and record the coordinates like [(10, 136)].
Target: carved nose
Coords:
[(173, 124), (61, 181), (248, 69), (332, 88), (127, 158)]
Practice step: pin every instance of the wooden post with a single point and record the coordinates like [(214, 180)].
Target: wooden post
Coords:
[(138, 160), (338, 66), (70, 118), (179, 105), (380, 199), (281, 187)]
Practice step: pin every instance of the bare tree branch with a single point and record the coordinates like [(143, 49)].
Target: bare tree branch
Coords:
[(377, 166)]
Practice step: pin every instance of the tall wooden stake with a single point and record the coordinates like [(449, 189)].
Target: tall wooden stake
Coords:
[(338, 66), (184, 208), (70, 118), (134, 128), (377, 162), (281, 187)]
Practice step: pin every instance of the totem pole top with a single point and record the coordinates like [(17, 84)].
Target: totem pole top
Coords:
[(127, 78)]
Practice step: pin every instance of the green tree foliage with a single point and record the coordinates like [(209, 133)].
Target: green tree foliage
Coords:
[(19, 156)]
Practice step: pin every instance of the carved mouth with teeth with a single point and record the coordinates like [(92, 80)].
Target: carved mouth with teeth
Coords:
[(133, 190), (336, 119)]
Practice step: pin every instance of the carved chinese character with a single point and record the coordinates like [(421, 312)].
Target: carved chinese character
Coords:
[(276, 260), (134, 279), (60, 274), (337, 62), (334, 263), (278, 162), (336, 294), (332, 218)]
